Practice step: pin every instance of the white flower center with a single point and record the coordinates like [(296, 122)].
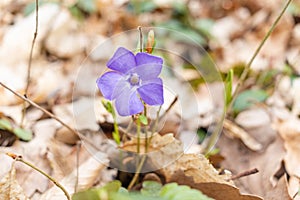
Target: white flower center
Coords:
[(134, 79)]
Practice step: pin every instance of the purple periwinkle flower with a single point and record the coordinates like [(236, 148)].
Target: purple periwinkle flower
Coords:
[(134, 78)]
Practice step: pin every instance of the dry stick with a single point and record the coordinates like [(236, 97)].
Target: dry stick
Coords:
[(170, 107), (49, 114), (30, 58), (19, 158), (246, 173), (246, 71)]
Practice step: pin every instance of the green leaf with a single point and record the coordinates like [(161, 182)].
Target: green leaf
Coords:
[(5, 124), (228, 86), (212, 152), (202, 133), (23, 134), (151, 188), (76, 12), (205, 26), (248, 98), (173, 191), (294, 8), (108, 106), (186, 35), (141, 6), (98, 193), (88, 6), (30, 8), (143, 119)]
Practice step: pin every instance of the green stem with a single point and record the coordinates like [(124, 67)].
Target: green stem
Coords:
[(138, 135), (116, 130), (19, 158), (136, 175), (248, 66), (244, 75), (141, 38)]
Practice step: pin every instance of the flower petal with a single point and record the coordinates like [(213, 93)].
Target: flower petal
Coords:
[(123, 60), (147, 71), (145, 58), (148, 66), (152, 92), (108, 82), (128, 103)]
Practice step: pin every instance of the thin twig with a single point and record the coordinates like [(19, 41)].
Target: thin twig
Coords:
[(169, 108), (248, 66), (49, 114), (30, 57), (19, 158), (243, 174)]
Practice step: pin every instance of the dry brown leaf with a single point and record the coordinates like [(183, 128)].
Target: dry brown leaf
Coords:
[(89, 172), (162, 150), (34, 151), (196, 166), (290, 132), (221, 191), (195, 171), (253, 118), (239, 158), (280, 191), (65, 31), (10, 189), (80, 114), (237, 132)]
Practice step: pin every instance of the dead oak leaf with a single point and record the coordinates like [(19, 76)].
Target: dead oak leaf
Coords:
[(194, 170), (239, 158), (10, 189)]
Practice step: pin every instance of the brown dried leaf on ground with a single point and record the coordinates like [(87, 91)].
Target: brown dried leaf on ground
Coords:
[(280, 190), (10, 189), (239, 158), (88, 172), (195, 171), (63, 158), (237, 132), (289, 130), (196, 166), (243, 33), (162, 150)]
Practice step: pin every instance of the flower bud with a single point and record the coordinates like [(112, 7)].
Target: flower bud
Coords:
[(150, 42)]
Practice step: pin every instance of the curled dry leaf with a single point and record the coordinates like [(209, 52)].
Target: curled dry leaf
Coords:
[(10, 188), (196, 166), (290, 132), (195, 171), (237, 132)]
